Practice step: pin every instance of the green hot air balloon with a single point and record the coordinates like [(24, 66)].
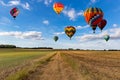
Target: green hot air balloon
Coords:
[(55, 38), (106, 37)]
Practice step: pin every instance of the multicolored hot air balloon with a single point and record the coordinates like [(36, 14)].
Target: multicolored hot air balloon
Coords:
[(55, 38), (58, 7), (70, 31), (14, 12), (102, 24), (106, 37), (93, 16)]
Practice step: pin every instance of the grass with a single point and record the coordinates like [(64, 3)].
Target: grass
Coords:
[(25, 72), (13, 59), (70, 61)]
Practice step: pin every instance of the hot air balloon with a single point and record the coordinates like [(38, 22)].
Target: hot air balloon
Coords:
[(14, 12), (93, 16), (94, 28), (70, 31), (106, 37), (55, 38), (102, 24), (58, 7)]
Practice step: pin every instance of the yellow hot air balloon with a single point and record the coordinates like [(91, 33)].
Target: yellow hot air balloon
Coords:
[(70, 31), (58, 7)]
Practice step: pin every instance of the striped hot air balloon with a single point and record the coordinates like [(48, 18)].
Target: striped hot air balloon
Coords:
[(70, 31), (93, 16)]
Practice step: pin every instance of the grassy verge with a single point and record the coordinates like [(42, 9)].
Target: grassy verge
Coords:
[(12, 57), (24, 73), (70, 61)]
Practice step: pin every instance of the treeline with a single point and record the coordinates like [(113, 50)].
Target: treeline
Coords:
[(7, 46), (40, 48), (94, 50)]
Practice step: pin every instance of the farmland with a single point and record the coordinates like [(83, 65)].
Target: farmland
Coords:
[(35, 64)]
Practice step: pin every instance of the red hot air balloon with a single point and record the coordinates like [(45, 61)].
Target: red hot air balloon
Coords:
[(14, 12), (102, 24)]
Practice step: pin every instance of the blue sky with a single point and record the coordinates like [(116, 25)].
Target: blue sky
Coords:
[(37, 24)]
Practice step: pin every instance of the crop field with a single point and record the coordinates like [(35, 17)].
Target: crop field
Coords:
[(35, 64)]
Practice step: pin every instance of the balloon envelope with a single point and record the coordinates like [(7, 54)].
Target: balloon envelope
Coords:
[(92, 13), (94, 28), (70, 31), (55, 38), (102, 24), (106, 37), (93, 16), (14, 12), (58, 7), (95, 20)]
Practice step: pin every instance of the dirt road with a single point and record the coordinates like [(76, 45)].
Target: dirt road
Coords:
[(55, 69)]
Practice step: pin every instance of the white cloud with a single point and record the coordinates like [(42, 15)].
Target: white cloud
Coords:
[(115, 25), (93, 1), (59, 33), (26, 6), (72, 14), (24, 35), (113, 32), (46, 22), (82, 27), (15, 3), (46, 2)]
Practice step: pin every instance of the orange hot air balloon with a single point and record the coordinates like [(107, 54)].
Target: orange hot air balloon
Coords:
[(92, 13), (14, 12), (93, 16), (58, 7), (70, 31)]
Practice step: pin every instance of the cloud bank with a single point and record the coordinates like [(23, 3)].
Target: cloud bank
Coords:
[(23, 35)]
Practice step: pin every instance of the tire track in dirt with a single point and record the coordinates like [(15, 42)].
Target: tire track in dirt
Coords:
[(55, 69), (95, 67)]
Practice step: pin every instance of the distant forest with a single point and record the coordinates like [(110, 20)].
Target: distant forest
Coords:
[(7, 46), (14, 46)]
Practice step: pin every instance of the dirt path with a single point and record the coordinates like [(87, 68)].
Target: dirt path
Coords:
[(55, 69)]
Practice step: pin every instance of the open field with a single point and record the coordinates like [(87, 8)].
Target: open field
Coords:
[(33, 64)]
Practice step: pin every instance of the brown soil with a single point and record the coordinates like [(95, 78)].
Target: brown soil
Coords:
[(55, 69), (96, 66)]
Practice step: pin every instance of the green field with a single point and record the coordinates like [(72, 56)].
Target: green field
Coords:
[(17, 59)]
